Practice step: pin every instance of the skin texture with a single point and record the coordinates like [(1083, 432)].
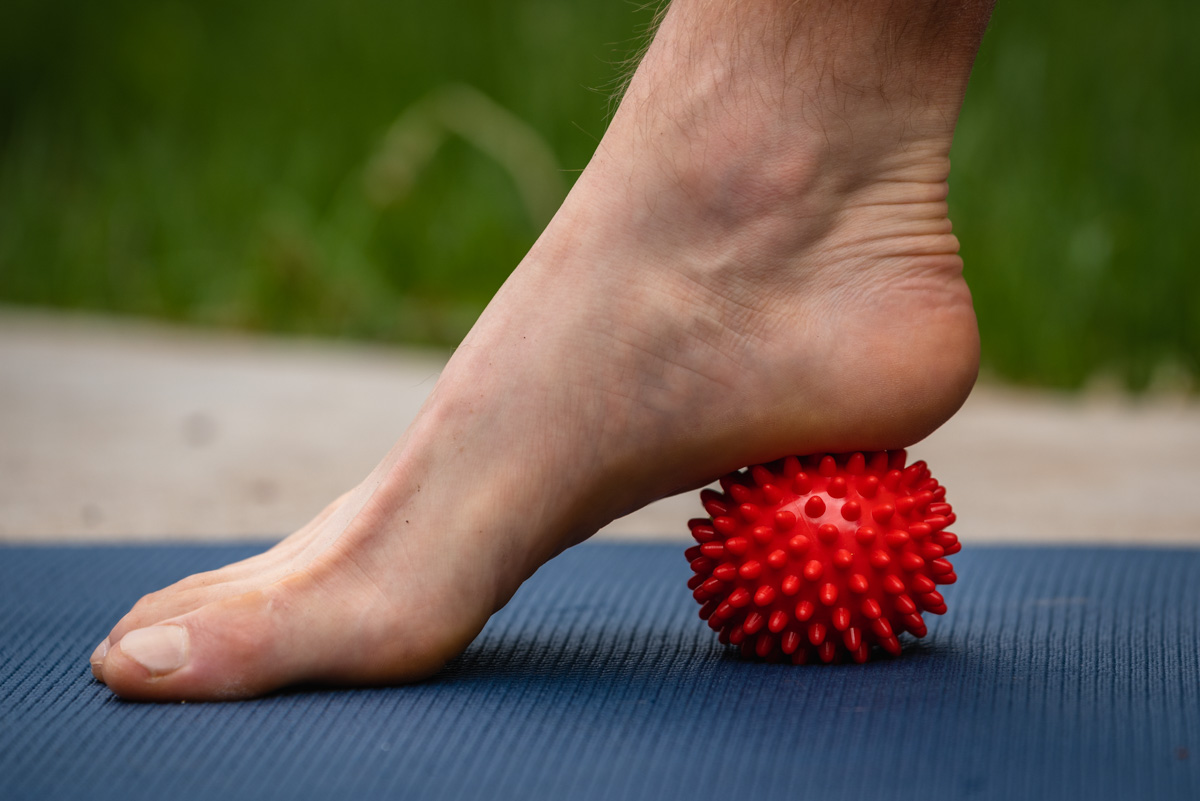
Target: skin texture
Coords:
[(756, 262)]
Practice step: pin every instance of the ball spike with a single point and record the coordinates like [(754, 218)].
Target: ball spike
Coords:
[(750, 512), (922, 583), (891, 480), (737, 545), (931, 599), (827, 466), (915, 625), (936, 522), (837, 487), (714, 502), (911, 475), (790, 585), (761, 475), (919, 531), (777, 622), (726, 571), (750, 569), (856, 465), (739, 597), (851, 510), (799, 544), (813, 569), (805, 610), (840, 618), (814, 506)]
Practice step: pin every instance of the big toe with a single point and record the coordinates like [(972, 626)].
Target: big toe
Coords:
[(290, 632)]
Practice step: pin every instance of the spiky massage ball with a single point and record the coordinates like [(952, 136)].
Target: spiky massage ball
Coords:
[(819, 557)]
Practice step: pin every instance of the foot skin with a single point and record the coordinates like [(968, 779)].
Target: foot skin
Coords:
[(739, 274)]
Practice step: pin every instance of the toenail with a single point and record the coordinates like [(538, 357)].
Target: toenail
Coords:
[(101, 651), (159, 649)]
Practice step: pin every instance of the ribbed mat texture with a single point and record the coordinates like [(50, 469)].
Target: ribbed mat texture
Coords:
[(1058, 673)]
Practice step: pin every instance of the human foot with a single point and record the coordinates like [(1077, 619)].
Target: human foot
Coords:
[(756, 262)]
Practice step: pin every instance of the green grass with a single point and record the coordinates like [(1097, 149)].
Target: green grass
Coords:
[(230, 164)]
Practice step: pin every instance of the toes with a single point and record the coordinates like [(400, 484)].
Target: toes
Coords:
[(229, 648), (167, 603), (200, 589), (196, 591), (287, 633)]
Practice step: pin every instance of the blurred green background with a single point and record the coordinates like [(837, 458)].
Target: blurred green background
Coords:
[(373, 169)]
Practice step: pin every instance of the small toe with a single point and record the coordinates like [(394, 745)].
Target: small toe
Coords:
[(97, 659)]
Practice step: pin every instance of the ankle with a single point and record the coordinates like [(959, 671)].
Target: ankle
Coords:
[(772, 99)]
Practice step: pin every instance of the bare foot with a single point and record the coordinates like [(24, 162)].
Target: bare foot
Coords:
[(757, 262)]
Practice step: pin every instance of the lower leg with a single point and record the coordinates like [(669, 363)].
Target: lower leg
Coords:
[(756, 262)]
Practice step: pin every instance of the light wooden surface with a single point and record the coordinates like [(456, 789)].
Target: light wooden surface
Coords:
[(114, 430)]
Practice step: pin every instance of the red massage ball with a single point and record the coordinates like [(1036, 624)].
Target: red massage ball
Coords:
[(822, 557)]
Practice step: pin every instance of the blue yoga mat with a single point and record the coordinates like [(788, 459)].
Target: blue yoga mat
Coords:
[(1058, 673)]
